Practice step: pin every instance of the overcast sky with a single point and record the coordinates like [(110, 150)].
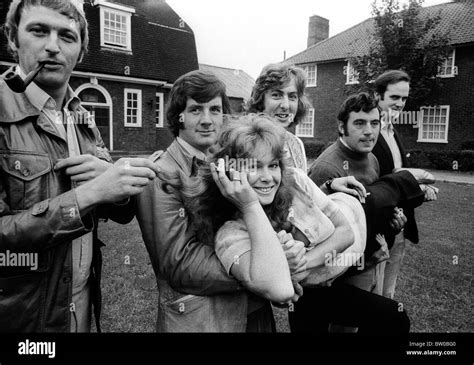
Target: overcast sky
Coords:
[(248, 34)]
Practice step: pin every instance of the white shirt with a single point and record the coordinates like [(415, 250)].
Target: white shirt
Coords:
[(387, 133), (82, 246)]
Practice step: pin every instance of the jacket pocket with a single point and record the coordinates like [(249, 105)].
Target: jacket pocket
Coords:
[(26, 178), (188, 313), (192, 313)]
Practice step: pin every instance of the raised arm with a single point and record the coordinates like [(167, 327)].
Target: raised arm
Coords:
[(259, 261), (188, 265)]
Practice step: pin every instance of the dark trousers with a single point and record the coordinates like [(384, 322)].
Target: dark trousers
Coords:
[(261, 320), (346, 305)]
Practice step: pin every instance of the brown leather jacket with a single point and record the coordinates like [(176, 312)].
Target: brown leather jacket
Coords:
[(39, 215), (196, 293)]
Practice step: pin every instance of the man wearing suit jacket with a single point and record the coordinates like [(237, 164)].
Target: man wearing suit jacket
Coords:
[(392, 89)]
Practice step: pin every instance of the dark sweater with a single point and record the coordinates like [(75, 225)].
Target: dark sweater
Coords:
[(339, 161)]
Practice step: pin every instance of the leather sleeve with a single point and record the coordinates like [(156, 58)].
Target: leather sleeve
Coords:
[(186, 264), (46, 224)]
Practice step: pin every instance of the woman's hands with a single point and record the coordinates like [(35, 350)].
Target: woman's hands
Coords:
[(295, 253), (236, 189)]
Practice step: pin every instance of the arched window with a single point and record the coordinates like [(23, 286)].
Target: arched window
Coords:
[(97, 100)]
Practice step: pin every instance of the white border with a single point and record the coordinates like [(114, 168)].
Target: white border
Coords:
[(420, 127), (298, 134), (109, 103), (160, 96), (139, 110)]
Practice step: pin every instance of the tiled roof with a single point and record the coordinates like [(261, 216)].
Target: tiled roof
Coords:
[(457, 19), (238, 83)]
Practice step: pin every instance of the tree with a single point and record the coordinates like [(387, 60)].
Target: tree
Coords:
[(406, 40)]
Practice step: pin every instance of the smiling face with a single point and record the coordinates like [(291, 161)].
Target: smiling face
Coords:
[(362, 130), (46, 36), (282, 103), (202, 122), (394, 98), (265, 178)]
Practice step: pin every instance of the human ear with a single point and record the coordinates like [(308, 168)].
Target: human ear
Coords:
[(12, 40), (340, 127)]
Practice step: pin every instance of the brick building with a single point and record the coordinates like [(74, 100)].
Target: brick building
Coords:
[(238, 84), (137, 50), (437, 126)]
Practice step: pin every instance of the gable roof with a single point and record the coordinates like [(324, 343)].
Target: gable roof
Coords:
[(238, 83), (457, 19)]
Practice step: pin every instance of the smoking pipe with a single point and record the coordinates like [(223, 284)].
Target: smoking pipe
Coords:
[(16, 83)]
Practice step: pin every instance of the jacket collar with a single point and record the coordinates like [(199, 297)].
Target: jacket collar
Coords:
[(14, 107), (187, 162)]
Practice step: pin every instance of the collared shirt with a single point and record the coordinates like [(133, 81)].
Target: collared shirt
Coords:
[(82, 246), (45, 104), (193, 151), (387, 133)]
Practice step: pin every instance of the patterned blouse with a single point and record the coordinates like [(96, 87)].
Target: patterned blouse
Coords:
[(295, 154)]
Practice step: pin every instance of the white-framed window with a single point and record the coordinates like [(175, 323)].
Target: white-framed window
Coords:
[(352, 76), (434, 123), (133, 107), (115, 26), (306, 127), (311, 75), (448, 68), (159, 110)]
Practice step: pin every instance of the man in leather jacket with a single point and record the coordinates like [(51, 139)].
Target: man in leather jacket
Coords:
[(56, 178)]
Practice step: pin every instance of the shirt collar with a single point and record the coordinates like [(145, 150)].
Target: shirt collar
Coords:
[(386, 125), (42, 100), (193, 151), (345, 144), (385, 122)]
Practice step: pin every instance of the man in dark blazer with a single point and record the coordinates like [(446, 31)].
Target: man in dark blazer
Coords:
[(391, 90)]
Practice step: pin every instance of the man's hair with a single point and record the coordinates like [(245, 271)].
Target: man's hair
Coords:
[(274, 76), (69, 8), (355, 103), (388, 78), (201, 86)]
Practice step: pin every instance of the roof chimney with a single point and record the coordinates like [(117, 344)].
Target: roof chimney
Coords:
[(318, 30)]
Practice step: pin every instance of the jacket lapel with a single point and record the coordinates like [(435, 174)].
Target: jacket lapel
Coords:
[(182, 158), (384, 154), (401, 148)]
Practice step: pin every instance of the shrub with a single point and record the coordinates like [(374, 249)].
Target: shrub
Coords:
[(314, 149), (442, 160), (467, 145)]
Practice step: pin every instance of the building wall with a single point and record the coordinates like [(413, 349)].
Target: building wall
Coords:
[(458, 92), (237, 105), (145, 138), (326, 99)]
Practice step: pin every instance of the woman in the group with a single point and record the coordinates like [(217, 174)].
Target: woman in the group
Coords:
[(243, 211)]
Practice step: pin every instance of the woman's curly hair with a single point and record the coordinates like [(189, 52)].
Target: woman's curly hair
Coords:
[(209, 209)]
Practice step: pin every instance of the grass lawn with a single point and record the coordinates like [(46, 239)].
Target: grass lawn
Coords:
[(435, 285)]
